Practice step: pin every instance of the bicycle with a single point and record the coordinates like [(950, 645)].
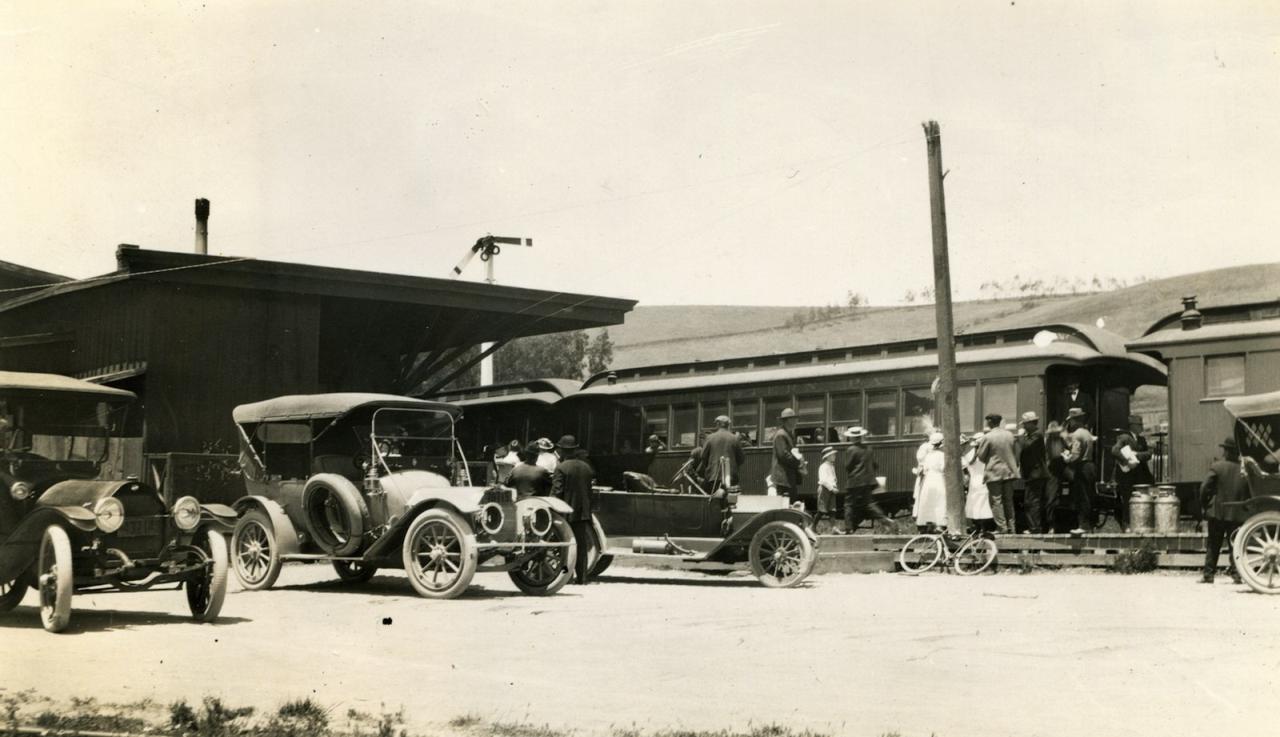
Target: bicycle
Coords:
[(968, 555)]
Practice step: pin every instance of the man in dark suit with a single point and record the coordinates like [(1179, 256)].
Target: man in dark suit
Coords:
[(722, 452), (1082, 468), (572, 483), (788, 464), (1033, 464), (1222, 488), (528, 478), (1076, 398), (860, 481), (1131, 454)]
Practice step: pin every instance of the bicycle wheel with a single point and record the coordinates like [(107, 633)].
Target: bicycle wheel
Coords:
[(921, 553), (975, 556)]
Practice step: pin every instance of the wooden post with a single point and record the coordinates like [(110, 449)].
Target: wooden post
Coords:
[(202, 226), (948, 409)]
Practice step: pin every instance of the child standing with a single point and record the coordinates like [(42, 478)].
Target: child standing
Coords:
[(828, 485)]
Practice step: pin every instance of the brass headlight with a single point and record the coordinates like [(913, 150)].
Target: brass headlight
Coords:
[(491, 518), (20, 490), (186, 513), (110, 514)]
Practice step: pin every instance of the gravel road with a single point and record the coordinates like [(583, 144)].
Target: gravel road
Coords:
[(1042, 654)]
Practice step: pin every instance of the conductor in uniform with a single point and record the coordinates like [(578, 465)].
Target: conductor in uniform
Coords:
[(572, 483)]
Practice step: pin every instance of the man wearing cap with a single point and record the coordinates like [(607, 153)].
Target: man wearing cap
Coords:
[(1082, 469), (546, 454), (1033, 464), (572, 482), (860, 481), (1131, 454), (1219, 494), (788, 464), (996, 451), (722, 454), (828, 486)]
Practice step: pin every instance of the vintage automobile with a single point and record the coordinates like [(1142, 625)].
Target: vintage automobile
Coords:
[(369, 481), (1256, 545), (66, 525), (714, 533)]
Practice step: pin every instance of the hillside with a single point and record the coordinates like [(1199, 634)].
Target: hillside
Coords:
[(675, 333)]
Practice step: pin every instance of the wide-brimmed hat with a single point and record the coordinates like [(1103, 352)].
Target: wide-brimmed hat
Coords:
[(1054, 426), (936, 438), (567, 442), (828, 451), (856, 432), (1135, 420), (1229, 444), (787, 414), (545, 444), (1029, 417), (1075, 412)]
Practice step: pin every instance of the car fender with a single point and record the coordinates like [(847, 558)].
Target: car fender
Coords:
[(218, 517), (389, 543), (22, 545), (465, 500), (555, 504), (740, 538), (286, 535)]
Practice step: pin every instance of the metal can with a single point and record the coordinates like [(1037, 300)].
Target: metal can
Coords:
[(1141, 510), (1166, 510)]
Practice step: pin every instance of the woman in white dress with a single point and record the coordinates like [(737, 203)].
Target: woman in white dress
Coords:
[(977, 502), (931, 502)]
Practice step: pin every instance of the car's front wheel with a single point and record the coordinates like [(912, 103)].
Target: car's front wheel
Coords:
[(207, 589), (439, 554), (354, 571), (550, 569), (55, 579), (1257, 552), (255, 555), (11, 593), (781, 554)]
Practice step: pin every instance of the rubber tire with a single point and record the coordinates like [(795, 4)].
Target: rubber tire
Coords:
[(55, 551), (1255, 580), (352, 571), (992, 552), (755, 553), (467, 553), (911, 568), (601, 563), (258, 518), (570, 557), (12, 593), (353, 509), (215, 546)]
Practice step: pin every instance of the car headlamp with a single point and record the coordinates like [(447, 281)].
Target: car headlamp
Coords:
[(110, 514), (186, 513), (20, 490)]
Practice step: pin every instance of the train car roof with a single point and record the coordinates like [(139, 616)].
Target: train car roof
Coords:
[(1174, 335), (324, 406), (33, 382)]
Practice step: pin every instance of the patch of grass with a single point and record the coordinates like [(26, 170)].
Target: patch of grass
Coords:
[(1143, 559), (214, 719), (465, 721), (521, 729), (89, 722)]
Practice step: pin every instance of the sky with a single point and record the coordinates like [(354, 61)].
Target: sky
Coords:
[(671, 152)]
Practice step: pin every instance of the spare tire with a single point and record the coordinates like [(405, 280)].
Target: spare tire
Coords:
[(336, 514)]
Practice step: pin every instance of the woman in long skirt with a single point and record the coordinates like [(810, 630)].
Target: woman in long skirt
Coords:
[(977, 501), (931, 502)]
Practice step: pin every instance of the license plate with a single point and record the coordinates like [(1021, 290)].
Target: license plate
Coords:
[(141, 528)]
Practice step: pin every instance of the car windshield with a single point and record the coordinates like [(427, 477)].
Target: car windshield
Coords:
[(60, 429), (413, 438)]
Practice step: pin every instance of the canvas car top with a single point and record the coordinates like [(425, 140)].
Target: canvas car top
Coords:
[(319, 406), (23, 381), (1253, 405)]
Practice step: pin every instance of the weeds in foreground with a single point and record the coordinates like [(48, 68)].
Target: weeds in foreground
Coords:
[(1143, 559)]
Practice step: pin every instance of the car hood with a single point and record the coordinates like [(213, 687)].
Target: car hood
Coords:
[(78, 492)]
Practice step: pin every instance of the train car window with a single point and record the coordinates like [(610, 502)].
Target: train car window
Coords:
[(684, 433), (630, 429), (710, 411), (773, 407), (746, 419), (882, 413), (655, 423), (1223, 376), (846, 411), (811, 419), (917, 411), (967, 398), (1001, 399)]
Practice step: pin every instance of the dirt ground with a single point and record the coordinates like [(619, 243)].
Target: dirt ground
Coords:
[(1007, 654)]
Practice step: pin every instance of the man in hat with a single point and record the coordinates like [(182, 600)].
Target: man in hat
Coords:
[(788, 464), (546, 454), (860, 481), (572, 482), (828, 486), (1131, 454), (1076, 398), (1082, 469), (722, 455), (653, 446), (1000, 458), (1033, 464), (1219, 494)]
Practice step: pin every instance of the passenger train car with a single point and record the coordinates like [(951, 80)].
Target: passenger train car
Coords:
[(885, 388)]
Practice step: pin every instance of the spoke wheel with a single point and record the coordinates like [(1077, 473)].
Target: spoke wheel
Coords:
[(255, 553), (55, 579), (975, 556), (354, 571), (550, 569), (439, 554), (1257, 552), (11, 593), (207, 589), (781, 554), (921, 553)]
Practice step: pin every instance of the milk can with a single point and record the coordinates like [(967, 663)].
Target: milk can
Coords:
[(1141, 510), (1166, 506)]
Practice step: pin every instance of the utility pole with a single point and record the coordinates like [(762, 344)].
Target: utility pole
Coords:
[(202, 226), (945, 397)]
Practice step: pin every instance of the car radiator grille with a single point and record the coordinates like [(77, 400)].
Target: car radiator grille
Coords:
[(145, 528)]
